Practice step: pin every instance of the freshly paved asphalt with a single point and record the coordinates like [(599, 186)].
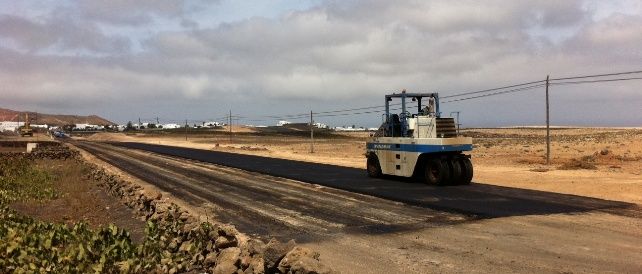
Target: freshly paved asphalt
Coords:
[(482, 200)]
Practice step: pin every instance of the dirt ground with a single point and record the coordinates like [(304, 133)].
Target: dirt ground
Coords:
[(587, 242), (80, 199), (594, 162)]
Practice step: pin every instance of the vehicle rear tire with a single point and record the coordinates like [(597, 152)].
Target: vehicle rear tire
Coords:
[(466, 171), (373, 167), (456, 174), (437, 172)]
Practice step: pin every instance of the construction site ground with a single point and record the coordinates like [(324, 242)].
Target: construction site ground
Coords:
[(358, 233), (505, 157)]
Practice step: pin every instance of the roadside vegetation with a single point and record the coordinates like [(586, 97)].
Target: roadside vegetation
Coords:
[(28, 245)]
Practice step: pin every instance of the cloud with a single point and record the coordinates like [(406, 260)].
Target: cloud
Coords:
[(346, 53), (124, 12), (63, 34)]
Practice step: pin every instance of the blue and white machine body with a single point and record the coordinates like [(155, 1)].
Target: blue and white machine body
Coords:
[(420, 144)]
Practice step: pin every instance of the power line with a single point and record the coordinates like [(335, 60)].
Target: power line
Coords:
[(492, 89), (597, 75), (305, 115), (495, 93), (361, 108), (595, 81)]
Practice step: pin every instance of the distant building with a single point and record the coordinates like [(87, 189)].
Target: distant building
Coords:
[(171, 126), (282, 123), (10, 125), (88, 127), (352, 128), (211, 124), (320, 125)]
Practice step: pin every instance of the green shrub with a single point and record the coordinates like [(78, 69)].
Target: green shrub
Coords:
[(31, 246)]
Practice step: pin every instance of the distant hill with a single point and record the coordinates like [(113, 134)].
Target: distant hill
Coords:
[(52, 119)]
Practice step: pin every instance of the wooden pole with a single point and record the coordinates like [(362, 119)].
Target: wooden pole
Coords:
[(230, 125), (311, 133), (185, 129), (548, 126)]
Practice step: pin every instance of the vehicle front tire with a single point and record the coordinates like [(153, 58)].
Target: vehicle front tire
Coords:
[(373, 167)]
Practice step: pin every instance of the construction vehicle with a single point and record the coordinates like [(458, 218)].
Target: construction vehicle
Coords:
[(26, 130), (422, 145)]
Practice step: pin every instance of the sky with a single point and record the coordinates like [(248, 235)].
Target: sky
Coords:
[(199, 60)]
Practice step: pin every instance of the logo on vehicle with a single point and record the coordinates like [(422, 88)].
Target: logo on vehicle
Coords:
[(382, 146)]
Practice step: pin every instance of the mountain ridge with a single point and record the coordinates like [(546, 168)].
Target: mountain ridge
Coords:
[(52, 119)]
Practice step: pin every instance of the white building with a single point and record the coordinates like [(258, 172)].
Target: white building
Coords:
[(171, 126), (10, 125), (88, 127), (211, 124), (320, 125), (282, 123), (353, 128)]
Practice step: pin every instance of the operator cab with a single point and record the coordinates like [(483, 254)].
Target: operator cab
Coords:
[(426, 122)]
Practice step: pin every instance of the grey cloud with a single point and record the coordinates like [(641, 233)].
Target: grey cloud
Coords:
[(59, 32), (342, 52), (614, 38), (189, 24), (25, 33), (139, 12), (128, 12)]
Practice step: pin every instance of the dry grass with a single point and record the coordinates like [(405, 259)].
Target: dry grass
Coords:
[(530, 161), (585, 162), (539, 169)]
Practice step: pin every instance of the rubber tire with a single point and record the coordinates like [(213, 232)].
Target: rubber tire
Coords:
[(456, 172), (373, 167), (437, 172), (466, 171)]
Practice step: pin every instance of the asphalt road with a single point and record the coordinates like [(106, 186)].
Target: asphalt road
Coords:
[(482, 200), (268, 206)]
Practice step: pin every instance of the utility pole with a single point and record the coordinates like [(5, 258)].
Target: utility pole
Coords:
[(311, 133), (230, 126), (548, 126), (35, 121), (185, 129), (157, 122), (139, 124)]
